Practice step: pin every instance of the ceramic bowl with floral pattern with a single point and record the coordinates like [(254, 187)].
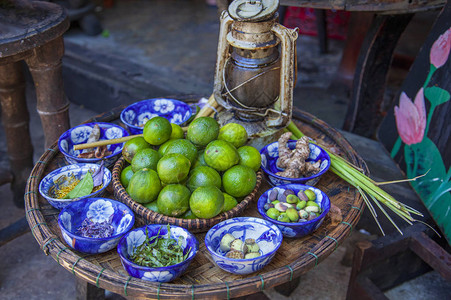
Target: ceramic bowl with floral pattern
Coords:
[(267, 236), (137, 114), (95, 225), (270, 155), (297, 229), (80, 134), (62, 178), (130, 242)]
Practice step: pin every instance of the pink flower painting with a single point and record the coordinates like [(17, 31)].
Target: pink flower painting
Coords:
[(411, 118), (440, 49)]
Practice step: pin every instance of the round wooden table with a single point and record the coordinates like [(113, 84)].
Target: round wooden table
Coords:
[(203, 279)]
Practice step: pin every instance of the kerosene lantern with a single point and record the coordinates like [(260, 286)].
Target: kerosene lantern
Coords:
[(255, 70)]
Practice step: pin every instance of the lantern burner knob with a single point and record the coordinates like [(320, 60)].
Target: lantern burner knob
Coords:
[(253, 10)]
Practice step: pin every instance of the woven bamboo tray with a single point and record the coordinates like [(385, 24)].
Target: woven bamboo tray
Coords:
[(202, 279), (148, 216)]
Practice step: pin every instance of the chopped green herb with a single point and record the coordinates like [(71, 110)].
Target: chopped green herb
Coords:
[(160, 251)]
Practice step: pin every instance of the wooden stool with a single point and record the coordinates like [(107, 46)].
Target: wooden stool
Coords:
[(31, 31)]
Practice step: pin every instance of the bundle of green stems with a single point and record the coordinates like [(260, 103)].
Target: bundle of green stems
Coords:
[(368, 188)]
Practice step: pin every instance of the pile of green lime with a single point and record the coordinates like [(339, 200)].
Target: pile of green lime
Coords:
[(197, 174)]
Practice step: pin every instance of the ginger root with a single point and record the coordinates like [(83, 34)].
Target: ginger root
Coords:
[(294, 161)]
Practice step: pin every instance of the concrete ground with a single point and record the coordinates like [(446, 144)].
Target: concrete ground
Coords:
[(162, 48)]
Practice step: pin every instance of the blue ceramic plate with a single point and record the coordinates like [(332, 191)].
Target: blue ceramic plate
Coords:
[(97, 210), (266, 235), (137, 114), (128, 244), (299, 229), (58, 179), (270, 155), (80, 134)]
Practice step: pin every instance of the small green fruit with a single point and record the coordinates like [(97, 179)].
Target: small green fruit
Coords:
[(310, 194), (273, 213), (312, 203), (300, 205), (292, 214), (283, 218), (292, 199)]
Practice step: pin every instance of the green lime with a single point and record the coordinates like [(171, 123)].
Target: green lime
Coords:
[(163, 147), (173, 168), (173, 200), (145, 158), (157, 131), (229, 202), (126, 174), (132, 146), (177, 132), (233, 133), (239, 180), (189, 215), (183, 147), (202, 131), (250, 157), (203, 176), (206, 202), (200, 161), (221, 155), (152, 206), (195, 109), (144, 186)]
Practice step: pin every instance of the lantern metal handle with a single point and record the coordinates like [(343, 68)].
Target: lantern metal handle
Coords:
[(223, 52), (288, 39)]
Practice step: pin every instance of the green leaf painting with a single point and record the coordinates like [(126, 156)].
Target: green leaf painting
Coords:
[(436, 95), (420, 153)]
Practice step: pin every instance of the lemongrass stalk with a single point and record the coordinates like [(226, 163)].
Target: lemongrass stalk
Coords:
[(401, 210), (413, 210), (368, 187), (105, 142), (208, 108), (295, 130), (365, 180), (387, 215), (370, 206), (371, 209)]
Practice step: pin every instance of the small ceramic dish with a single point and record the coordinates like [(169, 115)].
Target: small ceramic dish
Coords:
[(79, 135), (95, 213), (267, 236), (128, 244), (270, 155), (62, 177), (298, 229), (137, 114)]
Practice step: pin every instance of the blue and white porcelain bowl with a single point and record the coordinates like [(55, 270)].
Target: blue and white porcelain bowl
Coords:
[(270, 155), (128, 244), (298, 229), (61, 178), (266, 235), (137, 114), (79, 135), (97, 210)]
